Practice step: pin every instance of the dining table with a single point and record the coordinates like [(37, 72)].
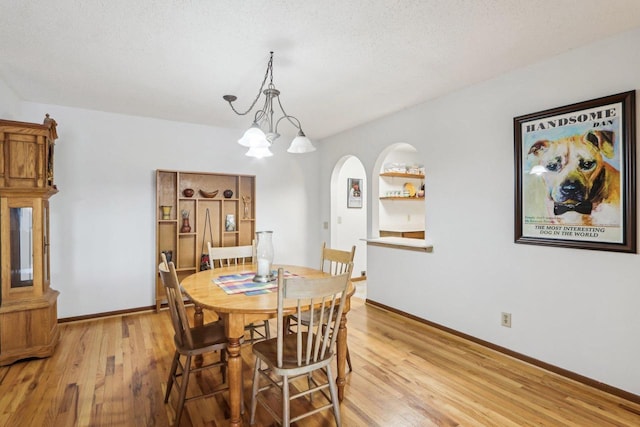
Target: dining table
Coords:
[(238, 301)]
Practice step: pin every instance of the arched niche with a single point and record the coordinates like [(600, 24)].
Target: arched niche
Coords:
[(397, 181)]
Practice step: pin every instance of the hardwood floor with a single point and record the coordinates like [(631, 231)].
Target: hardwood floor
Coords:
[(113, 372)]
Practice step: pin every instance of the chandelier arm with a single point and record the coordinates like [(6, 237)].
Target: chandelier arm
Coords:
[(231, 98), (288, 117)]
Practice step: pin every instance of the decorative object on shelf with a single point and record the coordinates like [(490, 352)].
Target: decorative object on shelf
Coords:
[(409, 190), (188, 192), (246, 201), (204, 256), (354, 193), (227, 194), (421, 191), (166, 211), (255, 138), (230, 223), (186, 228), (168, 255), (264, 256), (208, 194)]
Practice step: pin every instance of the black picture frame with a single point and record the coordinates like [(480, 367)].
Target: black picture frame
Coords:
[(575, 175), (354, 193)]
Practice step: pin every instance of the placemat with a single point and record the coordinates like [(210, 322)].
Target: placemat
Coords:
[(243, 283)]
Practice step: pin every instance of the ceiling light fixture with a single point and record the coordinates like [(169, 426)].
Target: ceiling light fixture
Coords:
[(258, 140)]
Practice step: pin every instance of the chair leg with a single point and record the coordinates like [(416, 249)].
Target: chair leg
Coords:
[(183, 389), (267, 331), (285, 402), (254, 390), (172, 374), (334, 397)]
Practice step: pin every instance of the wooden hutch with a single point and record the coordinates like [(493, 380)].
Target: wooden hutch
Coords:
[(28, 310)]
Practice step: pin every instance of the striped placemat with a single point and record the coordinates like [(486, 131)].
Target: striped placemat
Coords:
[(243, 283)]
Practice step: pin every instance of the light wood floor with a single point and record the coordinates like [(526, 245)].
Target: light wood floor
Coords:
[(112, 372)]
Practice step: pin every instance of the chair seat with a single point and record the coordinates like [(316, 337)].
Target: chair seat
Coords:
[(205, 336), (267, 350)]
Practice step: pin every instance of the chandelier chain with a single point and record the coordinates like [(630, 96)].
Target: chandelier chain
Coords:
[(268, 72)]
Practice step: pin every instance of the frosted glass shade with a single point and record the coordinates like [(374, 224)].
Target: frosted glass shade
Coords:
[(254, 137), (301, 144), (259, 152)]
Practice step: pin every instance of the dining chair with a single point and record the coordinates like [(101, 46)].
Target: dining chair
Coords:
[(305, 353), (228, 256), (333, 261), (190, 342)]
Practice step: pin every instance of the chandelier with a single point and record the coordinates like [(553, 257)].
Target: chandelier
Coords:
[(263, 132)]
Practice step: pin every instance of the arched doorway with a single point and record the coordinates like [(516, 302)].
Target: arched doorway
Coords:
[(349, 224)]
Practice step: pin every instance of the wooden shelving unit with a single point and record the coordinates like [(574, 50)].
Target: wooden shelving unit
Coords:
[(186, 247)]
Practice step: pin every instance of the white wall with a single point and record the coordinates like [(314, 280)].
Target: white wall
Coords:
[(575, 309), (9, 103), (102, 219)]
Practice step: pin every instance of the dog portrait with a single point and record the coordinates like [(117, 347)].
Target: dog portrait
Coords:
[(575, 175), (576, 183)]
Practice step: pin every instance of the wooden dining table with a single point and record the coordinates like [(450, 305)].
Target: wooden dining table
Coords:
[(240, 309)]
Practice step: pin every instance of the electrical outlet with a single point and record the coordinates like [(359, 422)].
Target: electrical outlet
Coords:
[(506, 320)]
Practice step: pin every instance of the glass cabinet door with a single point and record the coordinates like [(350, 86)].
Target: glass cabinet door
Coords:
[(21, 243)]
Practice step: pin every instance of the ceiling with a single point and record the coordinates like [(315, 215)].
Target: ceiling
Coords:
[(337, 63)]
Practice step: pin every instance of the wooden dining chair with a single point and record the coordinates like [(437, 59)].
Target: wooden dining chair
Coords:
[(190, 342), (333, 261), (305, 353), (228, 256)]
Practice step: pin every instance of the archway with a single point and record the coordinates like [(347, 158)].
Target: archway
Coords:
[(349, 224)]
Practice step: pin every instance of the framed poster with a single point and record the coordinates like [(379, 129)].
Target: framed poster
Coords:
[(575, 175), (354, 193)]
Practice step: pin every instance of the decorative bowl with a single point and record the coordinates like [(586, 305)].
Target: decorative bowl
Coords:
[(188, 192), (208, 194)]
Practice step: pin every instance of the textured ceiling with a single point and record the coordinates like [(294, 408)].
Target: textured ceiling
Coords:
[(337, 63)]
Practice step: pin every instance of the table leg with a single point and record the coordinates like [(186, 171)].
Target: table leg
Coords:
[(342, 355), (235, 381)]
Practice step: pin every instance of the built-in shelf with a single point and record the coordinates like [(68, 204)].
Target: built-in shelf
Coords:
[(401, 198), (186, 249), (402, 175)]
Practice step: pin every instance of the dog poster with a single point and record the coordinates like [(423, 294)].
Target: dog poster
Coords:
[(575, 169)]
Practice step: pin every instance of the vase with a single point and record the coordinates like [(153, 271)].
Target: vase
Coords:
[(227, 194), (185, 225), (166, 211), (264, 257)]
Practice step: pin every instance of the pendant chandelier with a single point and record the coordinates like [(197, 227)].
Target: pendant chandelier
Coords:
[(263, 132)]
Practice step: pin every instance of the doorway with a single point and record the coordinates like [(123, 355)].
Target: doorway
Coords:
[(349, 224)]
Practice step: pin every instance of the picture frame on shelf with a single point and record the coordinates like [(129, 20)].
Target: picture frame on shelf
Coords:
[(354, 193), (575, 175)]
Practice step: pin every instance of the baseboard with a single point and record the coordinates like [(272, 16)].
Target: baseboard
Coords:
[(552, 368), (96, 316)]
